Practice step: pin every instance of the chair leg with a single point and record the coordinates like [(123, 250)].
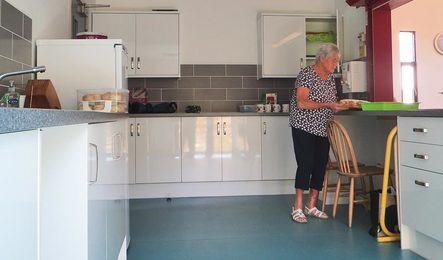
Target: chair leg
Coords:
[(363, 185), (325, 191), (371, 182), (337, 193), (351, 202)]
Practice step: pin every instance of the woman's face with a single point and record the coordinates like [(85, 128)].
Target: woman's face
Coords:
[(330, 62)]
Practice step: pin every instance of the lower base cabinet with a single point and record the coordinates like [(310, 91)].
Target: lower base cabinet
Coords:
[(81, 218), (278, 158), (18, 195)]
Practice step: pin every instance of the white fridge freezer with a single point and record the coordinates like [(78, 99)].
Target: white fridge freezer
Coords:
[(82, 64)]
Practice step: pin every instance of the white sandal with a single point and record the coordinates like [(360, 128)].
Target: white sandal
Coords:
[(298, 216), (315, 212)]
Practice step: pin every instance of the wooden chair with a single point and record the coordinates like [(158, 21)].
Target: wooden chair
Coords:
[(344, 187), (343, 151)]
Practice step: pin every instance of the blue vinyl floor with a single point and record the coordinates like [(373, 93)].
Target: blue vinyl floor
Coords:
[(248, 227)]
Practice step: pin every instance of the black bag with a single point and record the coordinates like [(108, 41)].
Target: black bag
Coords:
[(165, 107), (391, 217)]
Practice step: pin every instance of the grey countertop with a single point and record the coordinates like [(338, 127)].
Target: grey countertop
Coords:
[(23, 119), (400, 113), (208, 114)]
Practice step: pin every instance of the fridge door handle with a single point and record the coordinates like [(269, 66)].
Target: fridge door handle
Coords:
[(94, 180), (116, 146)]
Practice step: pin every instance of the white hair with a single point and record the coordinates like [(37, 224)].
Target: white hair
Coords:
[(326, 50)]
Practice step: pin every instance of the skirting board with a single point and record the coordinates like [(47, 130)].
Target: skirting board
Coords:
[(216, 189)]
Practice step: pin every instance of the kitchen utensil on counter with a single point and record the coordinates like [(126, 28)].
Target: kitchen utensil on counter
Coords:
[(276, 108), (193, 109), (247, 108), (285, 108), (40, 93), (260, 108)]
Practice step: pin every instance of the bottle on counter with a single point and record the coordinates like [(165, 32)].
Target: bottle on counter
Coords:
[(11, 98)]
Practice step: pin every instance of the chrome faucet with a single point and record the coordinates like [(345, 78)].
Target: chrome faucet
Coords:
[(38, 69)]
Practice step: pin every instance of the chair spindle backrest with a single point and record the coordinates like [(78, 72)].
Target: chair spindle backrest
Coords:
[(342, 148)]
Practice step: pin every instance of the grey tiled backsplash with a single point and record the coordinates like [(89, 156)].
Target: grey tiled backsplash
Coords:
[(216, 88), (15, 44)]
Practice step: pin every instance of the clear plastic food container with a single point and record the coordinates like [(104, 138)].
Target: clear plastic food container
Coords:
[(103, 100)]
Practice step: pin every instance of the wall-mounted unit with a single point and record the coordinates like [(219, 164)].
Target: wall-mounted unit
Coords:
[(152, 39), (288, 42)]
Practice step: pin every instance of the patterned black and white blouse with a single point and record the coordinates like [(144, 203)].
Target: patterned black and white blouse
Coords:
[(313, 120)]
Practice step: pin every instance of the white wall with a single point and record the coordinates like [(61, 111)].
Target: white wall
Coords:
[(222, 31), (352, 22), (421, 17), (50, 18)]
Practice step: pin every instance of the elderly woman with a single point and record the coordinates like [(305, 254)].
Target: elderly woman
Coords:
[(313, 103)]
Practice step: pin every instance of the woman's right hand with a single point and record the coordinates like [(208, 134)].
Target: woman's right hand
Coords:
[(337, 107)]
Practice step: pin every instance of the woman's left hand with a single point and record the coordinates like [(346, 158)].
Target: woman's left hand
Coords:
[(337, 107)]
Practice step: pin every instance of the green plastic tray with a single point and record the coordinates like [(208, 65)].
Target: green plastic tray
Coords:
[(368, 106)]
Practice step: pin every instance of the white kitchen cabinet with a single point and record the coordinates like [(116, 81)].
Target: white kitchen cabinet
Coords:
[(421, 185), (19, 195), (201, 149), (118, 26), (157, 45), (278, 159), (80, 218), (152, 39), (281, 45), (241, 148), (158, 150)]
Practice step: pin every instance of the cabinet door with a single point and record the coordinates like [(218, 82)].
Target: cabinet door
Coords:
[(278, 162), (284, 45), (241, 148), (19, 153), (157, 45), (110, 140), (118, 26), (201, 149), (158, 152)]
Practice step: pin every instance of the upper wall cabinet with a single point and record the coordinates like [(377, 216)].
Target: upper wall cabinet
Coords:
[(152, 40), (281, 45), (289, 42)]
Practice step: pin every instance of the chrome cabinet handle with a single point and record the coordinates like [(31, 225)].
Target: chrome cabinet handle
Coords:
[(218, 128), (422, 183), (419, 130), (138, 63), (224, 128), (301, 62), (131, 131), (96, 163), (264, 128), (139, 129), (421, 156), (132, 63)]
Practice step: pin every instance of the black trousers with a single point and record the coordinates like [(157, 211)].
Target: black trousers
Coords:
[(312, 154)]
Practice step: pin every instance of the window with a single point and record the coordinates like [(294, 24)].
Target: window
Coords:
[(408, 67)]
